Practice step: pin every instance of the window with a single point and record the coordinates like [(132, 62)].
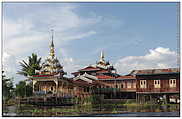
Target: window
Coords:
[(172, 83), (122, 84), (156, 83), (88, 89), (84, 90), (134, 84), (143, 84), (129, 84)]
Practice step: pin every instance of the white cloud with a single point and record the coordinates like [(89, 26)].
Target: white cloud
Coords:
[(70, 66), (78, 36), (5, 56), (31, 33), (13, 28), (9, 63), (156, 58), (32, 30)]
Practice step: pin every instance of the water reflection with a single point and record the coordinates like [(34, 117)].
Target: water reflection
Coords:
[(92, 110)]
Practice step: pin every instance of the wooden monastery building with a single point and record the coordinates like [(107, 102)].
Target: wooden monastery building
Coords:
[(50, 80), (152, 85)]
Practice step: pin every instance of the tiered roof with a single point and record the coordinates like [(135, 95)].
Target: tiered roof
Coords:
[(51, 65), (101, 67), (102, 71), (87, 80), (90, 68)]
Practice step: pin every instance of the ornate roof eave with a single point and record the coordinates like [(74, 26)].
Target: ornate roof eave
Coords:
[(82, 78), (44, 76), (89, 68), (101, 66), (90, 76)]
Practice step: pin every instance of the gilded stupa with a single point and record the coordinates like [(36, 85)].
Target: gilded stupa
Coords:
[(102, 63), (51, 65)]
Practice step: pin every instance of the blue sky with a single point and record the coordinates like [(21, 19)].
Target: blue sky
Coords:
[(132, 35)]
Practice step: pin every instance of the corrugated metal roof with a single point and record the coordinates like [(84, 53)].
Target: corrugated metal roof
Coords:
[(126, 77), (155, 71)]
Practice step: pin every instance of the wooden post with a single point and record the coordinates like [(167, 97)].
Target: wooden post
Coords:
[(165, 98), (151, 101), (142, 99), (34, 82), (136, 98), (56, 87)]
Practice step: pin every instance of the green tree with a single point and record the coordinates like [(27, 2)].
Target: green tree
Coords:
[(7, 87), (29, 90), (23, 90), (28, 68)]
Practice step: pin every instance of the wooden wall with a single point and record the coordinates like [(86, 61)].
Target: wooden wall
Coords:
[(124, 85), (164, 83)]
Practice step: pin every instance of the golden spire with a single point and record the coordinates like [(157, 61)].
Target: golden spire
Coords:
[(102, 56), (52, 45)]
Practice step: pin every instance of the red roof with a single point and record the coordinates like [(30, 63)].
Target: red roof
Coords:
[(75, 73), (104, 77), (89, 68), (80, 82), (42, 75), (102, 71), (126, 77)]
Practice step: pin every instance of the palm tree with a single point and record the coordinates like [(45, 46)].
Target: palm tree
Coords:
[(28, 68)]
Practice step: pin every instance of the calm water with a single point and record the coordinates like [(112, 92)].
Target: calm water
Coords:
[(96, 110)]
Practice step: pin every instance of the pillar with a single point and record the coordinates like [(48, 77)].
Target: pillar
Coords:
[(151, 100), (136, 98), (56, 82), (34, 82), (165, 99)]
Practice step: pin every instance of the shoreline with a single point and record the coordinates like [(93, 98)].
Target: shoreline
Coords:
[(92, 110)]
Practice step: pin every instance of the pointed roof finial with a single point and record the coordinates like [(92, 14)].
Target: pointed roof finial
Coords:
[(52, 43), (102, 56)]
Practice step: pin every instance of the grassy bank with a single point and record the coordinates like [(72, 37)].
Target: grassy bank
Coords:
[(9, 102)]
